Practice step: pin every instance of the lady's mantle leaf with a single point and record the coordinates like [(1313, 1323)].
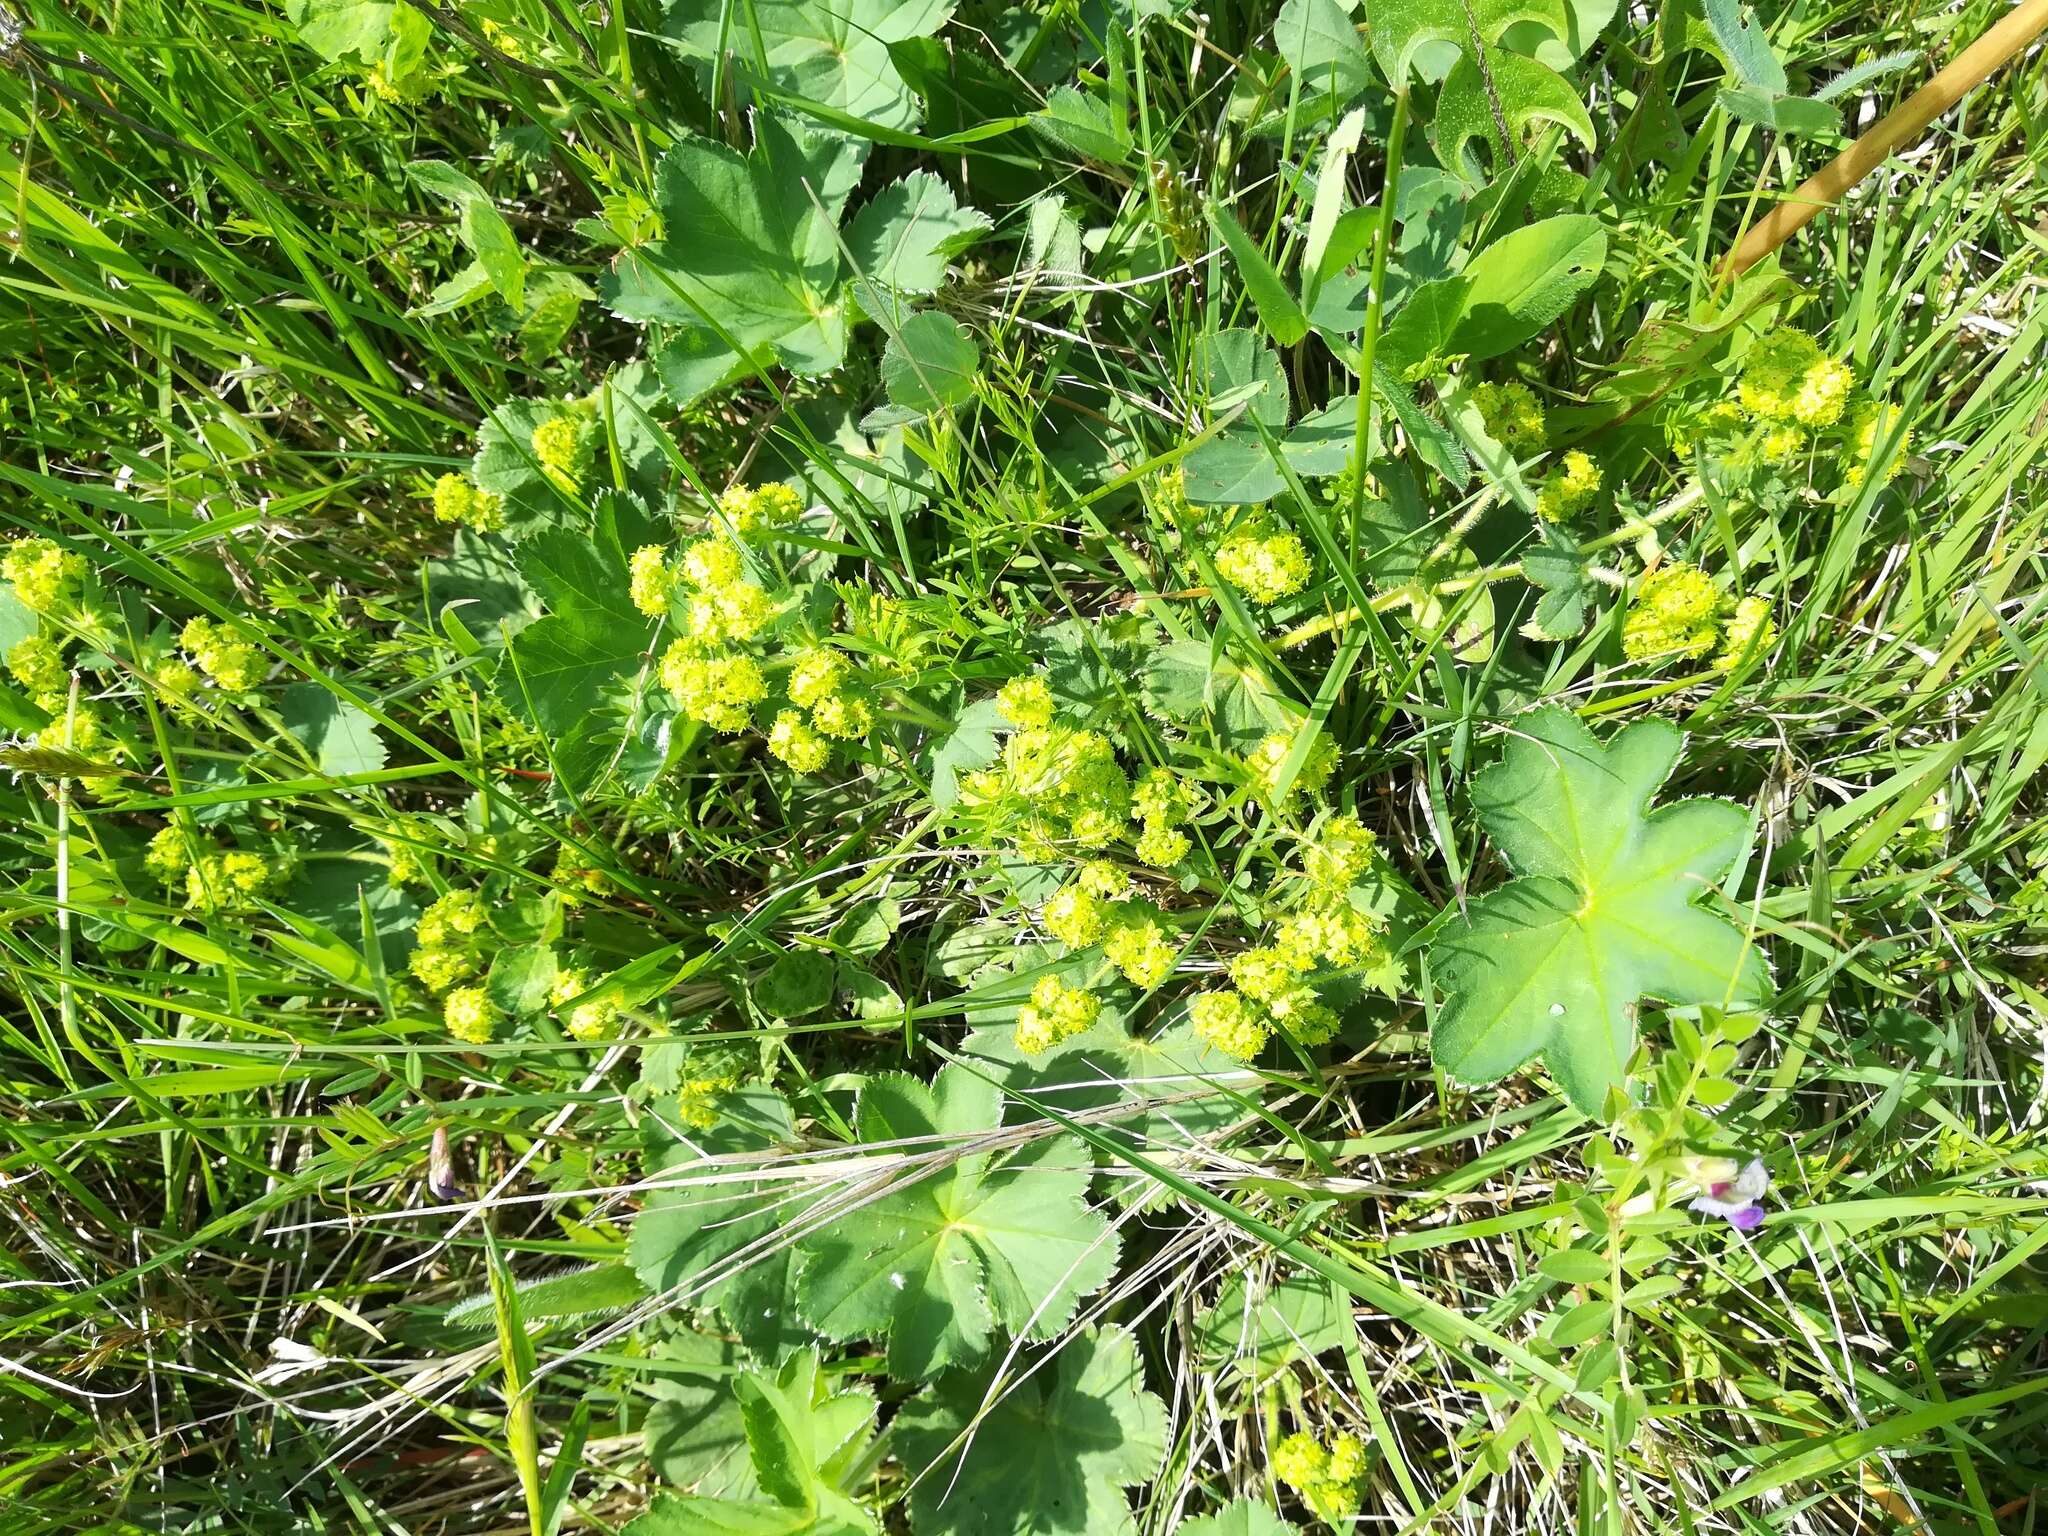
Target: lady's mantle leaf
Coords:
[(712, 1235), (1553, 963), (803, 1440), (1244, 1518), (940, 1262), (1050, 1455), (835, 55)]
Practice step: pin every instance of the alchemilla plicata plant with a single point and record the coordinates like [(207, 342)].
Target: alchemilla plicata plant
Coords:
[(1023, 770)]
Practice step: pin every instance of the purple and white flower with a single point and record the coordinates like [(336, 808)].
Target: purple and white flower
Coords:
[(1738, 1198)]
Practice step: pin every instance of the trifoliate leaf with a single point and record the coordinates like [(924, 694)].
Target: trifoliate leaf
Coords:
[(904, 234), (836, 55), (1246, 1517), (714, 1238), (1049, 1456), (944, 1259), (1601, 914)]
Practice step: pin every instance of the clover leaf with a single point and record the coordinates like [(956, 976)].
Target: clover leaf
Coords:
[(1554, 962), (943, 1259), (1049, 1456)]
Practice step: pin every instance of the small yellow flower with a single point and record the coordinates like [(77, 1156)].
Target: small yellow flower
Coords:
[(1056, 1012), (451, 918), (457, 501), (562, 447), (649, 580), (1672, 614), (1264, 567), (43, 573), (37, 663), (792, 740), (470, 1015), (719, 691), (1141, 950), (1161, 846), (1229, 1023), (1026, 701), (1074, 917), (1569, 488), (1749, 633), (815, 673), (1512, 415), (439, 967)]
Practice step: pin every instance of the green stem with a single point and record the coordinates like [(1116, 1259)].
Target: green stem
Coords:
[(1368, 344)]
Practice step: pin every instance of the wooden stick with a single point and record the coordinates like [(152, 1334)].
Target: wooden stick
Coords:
[(1964, 73)]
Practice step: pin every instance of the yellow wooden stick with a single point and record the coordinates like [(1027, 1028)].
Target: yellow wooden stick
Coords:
[(1969, 69)]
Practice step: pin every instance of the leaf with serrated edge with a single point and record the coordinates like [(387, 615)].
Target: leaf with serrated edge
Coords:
[(935, 1266), (904, 234), (1050, 1455), (1554, 962)]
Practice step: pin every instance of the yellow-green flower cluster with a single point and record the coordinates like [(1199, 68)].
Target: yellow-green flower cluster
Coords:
[(649, 580), (1230, 1023), (722, 606), (1056, 1012), (1748, 632), (1678, 611), (37, 663), (1512, 415), (1267, 759), (821, 681), (697, 1099), (1264, 565), (1568, 488), (1786, 378), (1026, 701), (44, 575), (1874, 423), (457, 501), (444, 951), (1336, 934), (792, 739), (720, 691), (563, 447), (1161, 802), (1337, 853), (586, 1020), (1069, 780), (755, 513), (1138, 946), (470, 1015), (169, 854), (226, 881), (235, 666), (1326, 1477), (1672, 614), (80, 732), (1075, 916)]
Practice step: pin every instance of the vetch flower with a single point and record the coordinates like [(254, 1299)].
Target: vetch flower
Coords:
[(1738, 1197)]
